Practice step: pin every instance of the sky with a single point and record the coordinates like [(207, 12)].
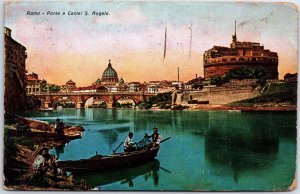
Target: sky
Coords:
[(78, 47)]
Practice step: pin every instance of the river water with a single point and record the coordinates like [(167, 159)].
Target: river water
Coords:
[(209, 150)]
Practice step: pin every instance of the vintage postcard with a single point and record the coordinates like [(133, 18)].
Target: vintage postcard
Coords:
[(150, 96)]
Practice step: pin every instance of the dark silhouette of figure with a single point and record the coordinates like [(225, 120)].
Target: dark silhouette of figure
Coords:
[(156, 137), (59, 128)]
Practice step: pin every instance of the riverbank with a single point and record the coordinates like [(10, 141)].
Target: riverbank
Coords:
[(23, 140), (290, 108), (272, 97)]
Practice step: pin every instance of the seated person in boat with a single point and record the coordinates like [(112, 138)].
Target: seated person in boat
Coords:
[(144, 143), (156, 137), (59, 128), (128, 145)]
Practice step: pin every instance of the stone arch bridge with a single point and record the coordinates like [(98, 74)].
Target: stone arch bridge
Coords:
[(48, 99)]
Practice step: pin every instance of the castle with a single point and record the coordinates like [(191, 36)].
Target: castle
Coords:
[(219, 59)]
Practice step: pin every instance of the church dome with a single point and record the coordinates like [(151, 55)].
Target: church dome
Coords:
[(109, 76), (109, 72), (70, 82), (121, 81)]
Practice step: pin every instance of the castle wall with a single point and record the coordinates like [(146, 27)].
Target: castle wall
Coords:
[(220, 95)]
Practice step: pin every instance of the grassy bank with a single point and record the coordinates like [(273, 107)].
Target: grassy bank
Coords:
[(275, 94)]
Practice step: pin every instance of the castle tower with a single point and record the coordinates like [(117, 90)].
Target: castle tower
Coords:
[(234, 38)]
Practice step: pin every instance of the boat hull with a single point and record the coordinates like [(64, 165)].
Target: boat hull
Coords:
[(124, 175), (114, 161)]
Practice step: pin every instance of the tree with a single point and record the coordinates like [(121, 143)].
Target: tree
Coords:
[(43, 86), (243, 73), (51, 87), (160, 99), (216, 80)]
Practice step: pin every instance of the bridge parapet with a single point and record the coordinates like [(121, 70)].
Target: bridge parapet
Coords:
[(80, 98), (92, 93)]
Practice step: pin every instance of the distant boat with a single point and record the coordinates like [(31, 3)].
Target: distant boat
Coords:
[(59, 107), (46, 109), (234, 111)]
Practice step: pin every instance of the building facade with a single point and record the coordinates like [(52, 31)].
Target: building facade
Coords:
[(195, 84), (219, 60), (32, 83), (289, 77), (15, 68), (134, 86), (70, 85)]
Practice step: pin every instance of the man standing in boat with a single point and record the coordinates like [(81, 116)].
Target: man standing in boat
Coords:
[(128, 145), (156, 137)]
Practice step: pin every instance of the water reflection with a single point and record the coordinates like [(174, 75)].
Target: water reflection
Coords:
[(239, 151), (125, 176), (187, 121), (209, 150), (80, 112), (59, 150)]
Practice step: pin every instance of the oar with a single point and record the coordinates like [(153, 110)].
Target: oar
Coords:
[(114, 151), (166, 170), (165, 139)]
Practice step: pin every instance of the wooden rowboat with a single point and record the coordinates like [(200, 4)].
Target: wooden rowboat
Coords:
[(108, 162)]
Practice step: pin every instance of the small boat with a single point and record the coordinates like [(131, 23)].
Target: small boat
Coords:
[(59, 107), (108, 162), (52, 135), (234, 111), (46, 109)]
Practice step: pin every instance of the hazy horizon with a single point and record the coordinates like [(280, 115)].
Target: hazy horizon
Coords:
[(63, 47)]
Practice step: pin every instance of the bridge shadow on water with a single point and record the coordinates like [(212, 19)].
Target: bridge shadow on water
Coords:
[(124, 176)]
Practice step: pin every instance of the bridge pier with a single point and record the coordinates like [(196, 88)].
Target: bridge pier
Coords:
[(111, 101), (177, 97), (110, 105), (47, 104), (79, 105), (174, 98)]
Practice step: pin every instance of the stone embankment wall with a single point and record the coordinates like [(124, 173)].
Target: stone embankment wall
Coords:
[(218, 95)]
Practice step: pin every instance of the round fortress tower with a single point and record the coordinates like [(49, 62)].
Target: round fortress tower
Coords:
[(219, 59)]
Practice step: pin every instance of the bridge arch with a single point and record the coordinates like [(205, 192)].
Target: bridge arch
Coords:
[(97, 97), (59, 98), (136, 101)]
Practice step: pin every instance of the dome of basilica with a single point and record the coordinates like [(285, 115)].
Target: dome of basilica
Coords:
[(109, 72), (109, 76)]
